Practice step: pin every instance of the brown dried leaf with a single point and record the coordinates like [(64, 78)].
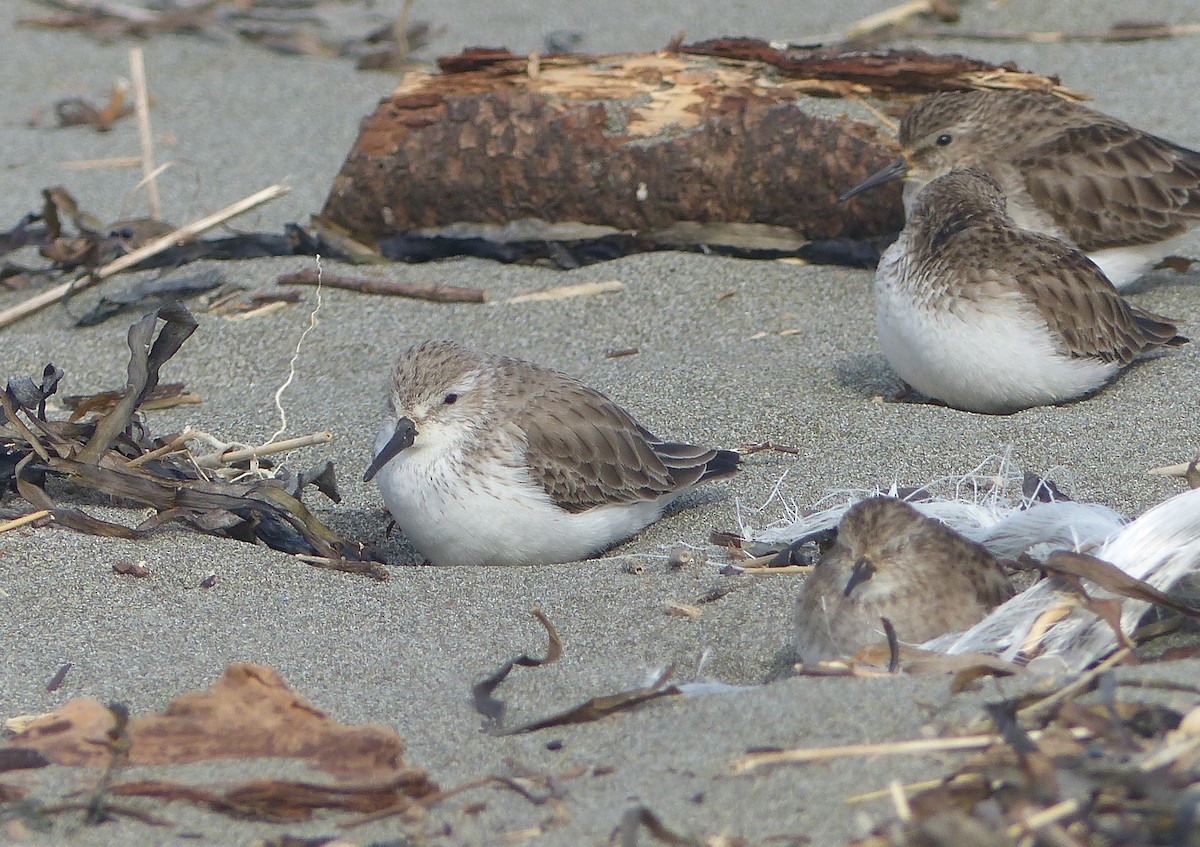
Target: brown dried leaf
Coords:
[(250, 712), (1112, 578)]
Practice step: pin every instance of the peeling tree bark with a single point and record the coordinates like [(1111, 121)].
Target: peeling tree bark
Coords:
[(642, 143)]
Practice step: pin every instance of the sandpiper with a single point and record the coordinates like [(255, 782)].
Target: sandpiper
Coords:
[(976, 312), (483, 459), (890, 561), (1123, 196)]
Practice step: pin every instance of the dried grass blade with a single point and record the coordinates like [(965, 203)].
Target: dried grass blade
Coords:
[(137, 72), (804, 755), (24, 520), (564, 292)]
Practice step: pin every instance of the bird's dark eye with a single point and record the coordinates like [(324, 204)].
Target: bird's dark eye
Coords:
[(450, 399), (944, 139)]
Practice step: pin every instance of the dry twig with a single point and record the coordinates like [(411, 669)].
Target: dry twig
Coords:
[(422, 291)]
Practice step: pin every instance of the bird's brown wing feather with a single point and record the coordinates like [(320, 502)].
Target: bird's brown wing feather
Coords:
[(992, 586), (1072, 295), (586, 451), (1108, 185)]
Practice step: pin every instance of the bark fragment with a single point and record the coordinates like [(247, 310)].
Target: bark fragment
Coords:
[(716, 142)]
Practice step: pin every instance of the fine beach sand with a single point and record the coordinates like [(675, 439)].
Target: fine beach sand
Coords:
[(405, 652)]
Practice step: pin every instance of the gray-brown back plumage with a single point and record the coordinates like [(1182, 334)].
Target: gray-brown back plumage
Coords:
[(583, 448), (965, 245)]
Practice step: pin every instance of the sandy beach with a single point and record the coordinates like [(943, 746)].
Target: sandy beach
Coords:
[(791, 358)]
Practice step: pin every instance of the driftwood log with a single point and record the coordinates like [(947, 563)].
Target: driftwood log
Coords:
[(720, 142)]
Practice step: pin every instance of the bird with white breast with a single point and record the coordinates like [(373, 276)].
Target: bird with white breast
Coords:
[(488, 460), (983, 315)]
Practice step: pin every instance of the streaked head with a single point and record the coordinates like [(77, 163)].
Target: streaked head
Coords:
[(955, 201), (965, 129), (438, 394), (877, 536)]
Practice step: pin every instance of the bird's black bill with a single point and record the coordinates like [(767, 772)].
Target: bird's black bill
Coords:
[(402, 438), (862, 571), (896, 170)]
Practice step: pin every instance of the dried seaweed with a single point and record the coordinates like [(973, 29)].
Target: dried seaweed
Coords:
[(641, 817), (150, 295), (26, 232), (601, 707), (111, 454), (78, 111), (481, 692), (57, 679), (89, 243), (92, 245), (21, 758), (591, 710)]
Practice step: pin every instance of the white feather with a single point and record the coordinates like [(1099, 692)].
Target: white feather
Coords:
[(1161, 547), (987, 505)]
